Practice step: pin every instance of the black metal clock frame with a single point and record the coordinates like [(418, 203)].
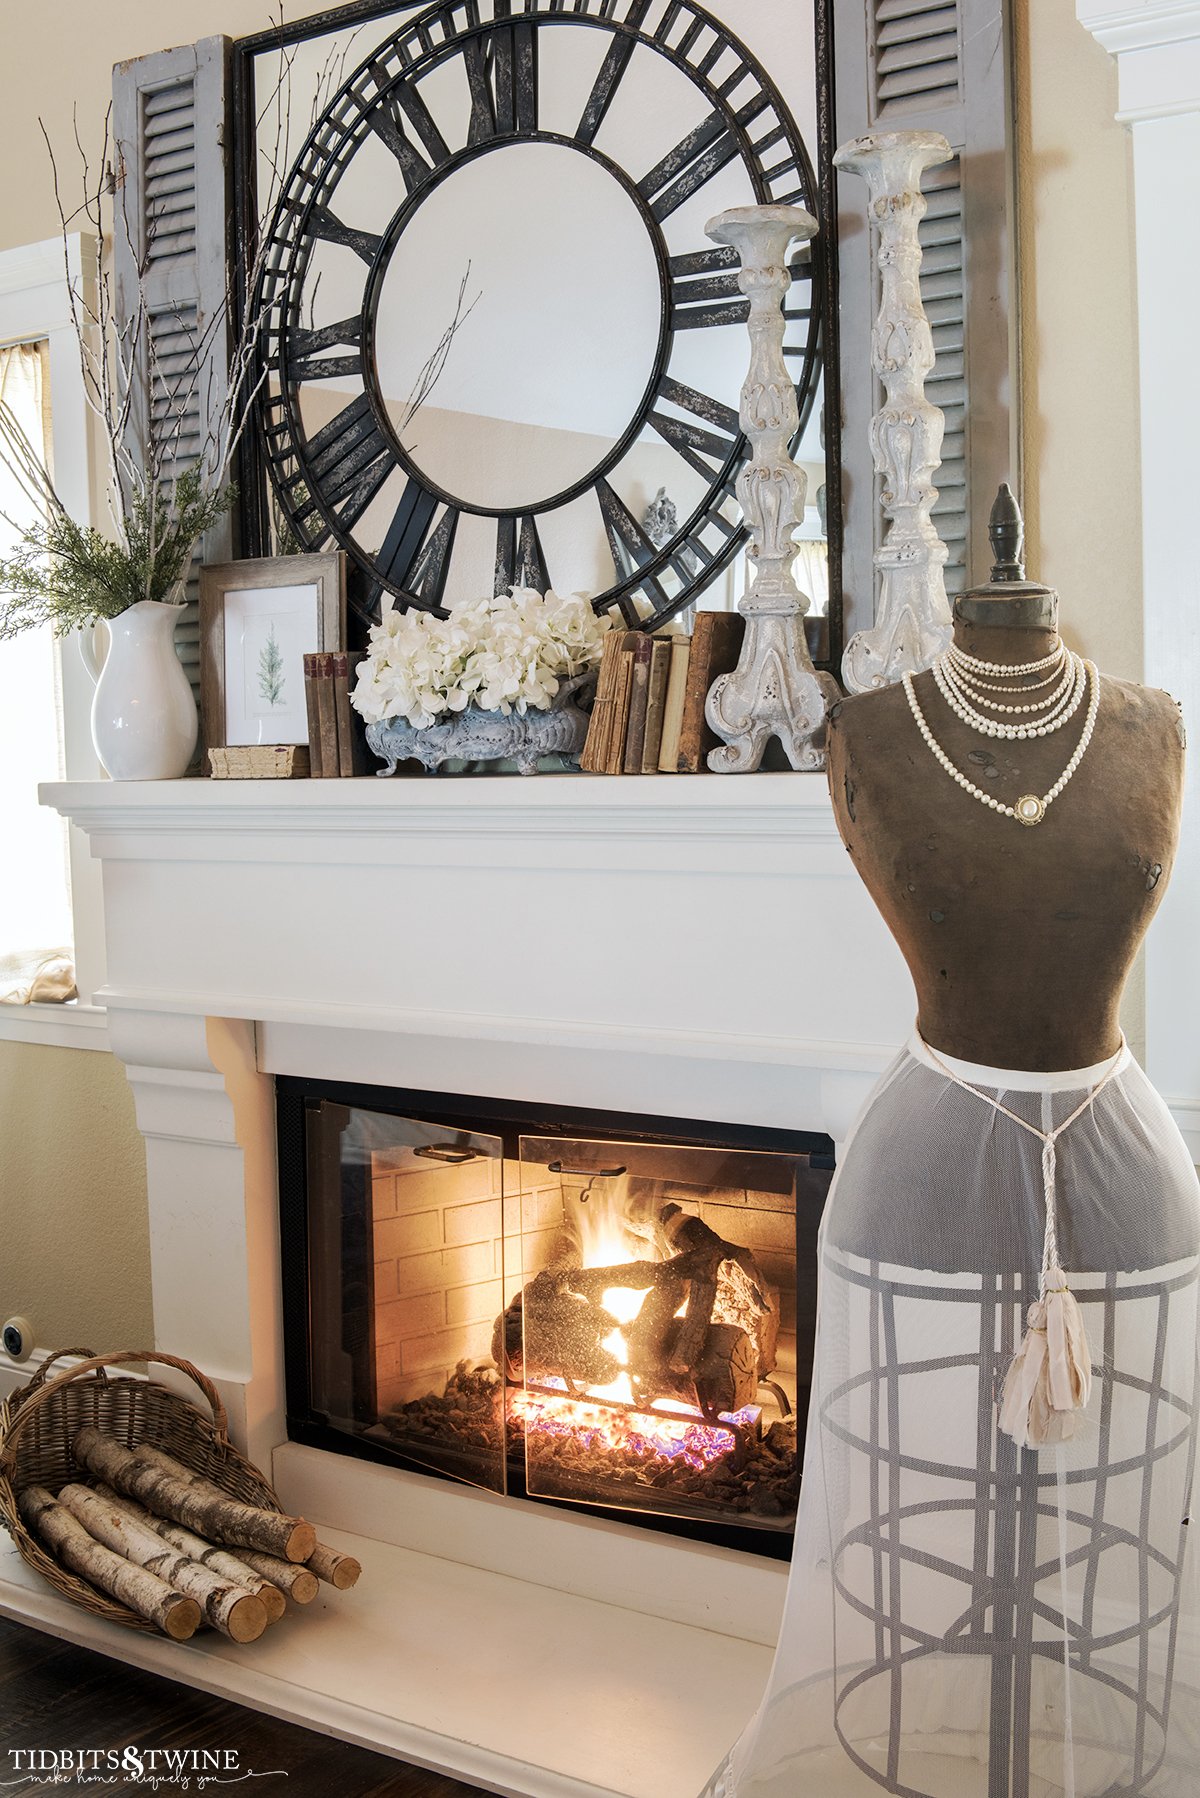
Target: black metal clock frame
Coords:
[(325, 483)]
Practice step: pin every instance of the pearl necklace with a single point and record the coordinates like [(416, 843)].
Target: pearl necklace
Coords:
[(1031, 721), (979, 691), (1029, 809), (975, 666)]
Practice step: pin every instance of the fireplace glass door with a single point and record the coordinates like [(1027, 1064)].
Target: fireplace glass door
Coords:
[(622, 1322), (649, 1346)]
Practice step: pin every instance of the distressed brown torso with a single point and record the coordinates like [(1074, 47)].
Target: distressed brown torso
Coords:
[(1019, 940)]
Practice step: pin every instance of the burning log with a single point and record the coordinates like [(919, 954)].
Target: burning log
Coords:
[(725, 1287), (706, 1330), (554, 1328), (726, 1374)]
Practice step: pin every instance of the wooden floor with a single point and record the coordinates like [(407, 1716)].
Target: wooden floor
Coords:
[(54, 1695)]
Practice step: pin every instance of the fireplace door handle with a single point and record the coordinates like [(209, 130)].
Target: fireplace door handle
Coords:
[(587, 1173)]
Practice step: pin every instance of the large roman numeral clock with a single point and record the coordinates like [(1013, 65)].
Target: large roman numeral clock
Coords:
[(499, 346)]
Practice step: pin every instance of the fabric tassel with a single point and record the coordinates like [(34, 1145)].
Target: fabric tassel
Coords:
[(1050, 1379)]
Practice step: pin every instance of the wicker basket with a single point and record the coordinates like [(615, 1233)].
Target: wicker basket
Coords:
[(38, 1424)]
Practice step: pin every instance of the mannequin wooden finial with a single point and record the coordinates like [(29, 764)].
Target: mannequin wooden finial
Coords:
[(1008, 600)]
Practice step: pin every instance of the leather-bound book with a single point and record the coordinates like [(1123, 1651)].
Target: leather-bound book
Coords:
[(351, 743), (639, 700), (716, 645), (312, 705), (660, 662), (596, 747), (668, 751), (327, 714), (614, 760)]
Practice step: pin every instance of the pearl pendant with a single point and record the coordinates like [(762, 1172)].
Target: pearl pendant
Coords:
[(1029, 809)]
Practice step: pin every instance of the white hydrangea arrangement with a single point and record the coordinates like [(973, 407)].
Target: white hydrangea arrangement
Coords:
[(507, 654)]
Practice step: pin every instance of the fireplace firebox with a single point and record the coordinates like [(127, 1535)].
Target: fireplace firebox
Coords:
[(598, 1310)]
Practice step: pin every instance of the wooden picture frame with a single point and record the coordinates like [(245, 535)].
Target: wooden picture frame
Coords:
[(296, 598)]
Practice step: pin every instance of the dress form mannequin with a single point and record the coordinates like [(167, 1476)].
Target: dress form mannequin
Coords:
[(978, 1609), (1019, 939)]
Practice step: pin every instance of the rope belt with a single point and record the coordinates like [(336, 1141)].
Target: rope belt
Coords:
[(1050, 1378)]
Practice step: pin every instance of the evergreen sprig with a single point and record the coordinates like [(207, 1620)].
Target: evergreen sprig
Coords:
[(67, 575)]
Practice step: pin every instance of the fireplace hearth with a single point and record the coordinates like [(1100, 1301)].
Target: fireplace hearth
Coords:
[(593, 1310)]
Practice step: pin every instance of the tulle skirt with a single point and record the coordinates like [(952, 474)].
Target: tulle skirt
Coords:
[(965, 1618)]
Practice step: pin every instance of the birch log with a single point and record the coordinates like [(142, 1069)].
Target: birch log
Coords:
[(218, 1560), (205, 1509), (135, 1587), (335, 1569), (300, 1585), (167, 1465), (237, 1613)]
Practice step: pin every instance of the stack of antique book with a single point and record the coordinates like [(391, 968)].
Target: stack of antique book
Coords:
[(649, 712), (336, 743)]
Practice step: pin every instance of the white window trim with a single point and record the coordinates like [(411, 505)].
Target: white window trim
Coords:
[(35, 305)]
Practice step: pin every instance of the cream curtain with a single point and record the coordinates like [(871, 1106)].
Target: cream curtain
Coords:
[(811, 569), (36, 958)]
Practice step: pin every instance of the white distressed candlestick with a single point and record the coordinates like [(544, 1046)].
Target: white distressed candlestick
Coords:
[(774, 691), (912, 621)]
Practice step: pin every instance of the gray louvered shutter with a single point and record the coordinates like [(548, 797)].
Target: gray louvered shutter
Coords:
[(173, 141), (941, 65)]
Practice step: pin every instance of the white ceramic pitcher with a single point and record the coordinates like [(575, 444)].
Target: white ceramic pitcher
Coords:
[(144, 722)]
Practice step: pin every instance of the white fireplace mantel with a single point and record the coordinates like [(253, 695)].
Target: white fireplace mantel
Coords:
[(681, 948), (693, 949), (523, 938)]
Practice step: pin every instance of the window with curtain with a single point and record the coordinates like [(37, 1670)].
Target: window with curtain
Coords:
[(36, 954), (811, 570)]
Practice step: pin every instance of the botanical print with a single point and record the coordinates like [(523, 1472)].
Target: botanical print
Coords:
[(268, 632), (271, 678)]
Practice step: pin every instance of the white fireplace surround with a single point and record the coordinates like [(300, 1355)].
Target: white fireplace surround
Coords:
[(688, 948), (664, 946)]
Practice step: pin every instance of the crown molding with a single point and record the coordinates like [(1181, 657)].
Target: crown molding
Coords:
[(1146, 27)]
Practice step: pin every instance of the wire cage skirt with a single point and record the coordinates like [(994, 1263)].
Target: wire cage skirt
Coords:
[(39, 1422), (1017, 1594)]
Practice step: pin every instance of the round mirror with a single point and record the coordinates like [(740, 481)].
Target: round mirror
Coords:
[(501, 346), (558, 332)]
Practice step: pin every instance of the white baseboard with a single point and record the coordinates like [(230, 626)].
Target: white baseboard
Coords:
[(19, 1373)]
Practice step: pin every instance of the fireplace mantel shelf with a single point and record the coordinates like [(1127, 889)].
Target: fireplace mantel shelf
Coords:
[(650, 806), (712, 924)]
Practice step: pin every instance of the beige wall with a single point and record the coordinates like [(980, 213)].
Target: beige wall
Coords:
[(74, 1236), (1079, 323), (1079, 335)]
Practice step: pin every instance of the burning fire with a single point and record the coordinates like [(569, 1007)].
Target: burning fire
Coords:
[(668, 1432), (605, 1242), (674, 1433)]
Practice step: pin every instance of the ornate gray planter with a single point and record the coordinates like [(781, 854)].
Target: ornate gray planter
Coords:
[(478, 736)]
